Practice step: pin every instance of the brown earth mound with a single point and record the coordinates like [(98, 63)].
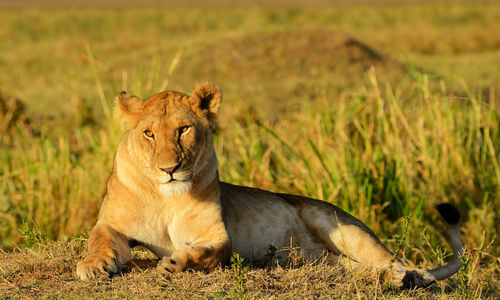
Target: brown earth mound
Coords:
[(312, 54), (273, 71)]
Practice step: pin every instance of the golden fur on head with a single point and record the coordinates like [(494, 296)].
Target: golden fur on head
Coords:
[(164, 193), (204, 101), (168, 130)]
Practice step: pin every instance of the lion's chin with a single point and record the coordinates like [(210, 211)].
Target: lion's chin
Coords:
[(175, 187)]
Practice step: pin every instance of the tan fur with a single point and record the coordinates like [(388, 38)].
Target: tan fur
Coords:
[(195, 221)]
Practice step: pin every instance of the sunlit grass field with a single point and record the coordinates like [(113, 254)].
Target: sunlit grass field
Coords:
[(384, 110)]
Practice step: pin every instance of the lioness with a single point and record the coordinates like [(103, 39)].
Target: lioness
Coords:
[(164, 193)]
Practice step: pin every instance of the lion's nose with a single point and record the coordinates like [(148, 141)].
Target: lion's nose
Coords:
[(170, 170)]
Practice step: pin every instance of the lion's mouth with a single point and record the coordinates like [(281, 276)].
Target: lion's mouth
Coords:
[(173, 179), (178, 180)]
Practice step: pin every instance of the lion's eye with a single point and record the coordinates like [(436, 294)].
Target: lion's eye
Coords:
[(148, 133), (184, 129)]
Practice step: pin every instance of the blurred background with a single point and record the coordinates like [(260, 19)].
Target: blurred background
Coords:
[(260, 50), (384, 108)]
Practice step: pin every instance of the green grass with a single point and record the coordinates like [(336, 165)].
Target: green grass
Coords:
[(303, 113)]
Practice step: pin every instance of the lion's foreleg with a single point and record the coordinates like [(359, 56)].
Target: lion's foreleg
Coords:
[(108, 253), (199, 238)]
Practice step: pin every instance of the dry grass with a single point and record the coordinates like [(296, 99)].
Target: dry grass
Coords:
[(49, 271)]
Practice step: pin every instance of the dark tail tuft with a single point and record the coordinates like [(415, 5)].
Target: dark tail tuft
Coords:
[(452, 217), (449, 213)]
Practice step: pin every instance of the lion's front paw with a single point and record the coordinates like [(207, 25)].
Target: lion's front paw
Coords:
[(174, 263), (94, 265)]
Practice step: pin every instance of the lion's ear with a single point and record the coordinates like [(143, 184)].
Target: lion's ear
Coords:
[(207, 99), (129, 109)]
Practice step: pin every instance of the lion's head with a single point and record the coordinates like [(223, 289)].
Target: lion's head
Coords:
[(170, 134)]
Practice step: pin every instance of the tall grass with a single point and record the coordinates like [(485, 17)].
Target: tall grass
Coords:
[(376, 151), (380, 154), (398, 152)]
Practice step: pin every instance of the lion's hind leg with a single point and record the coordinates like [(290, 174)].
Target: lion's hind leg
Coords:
[(356, 245), (344, 235)]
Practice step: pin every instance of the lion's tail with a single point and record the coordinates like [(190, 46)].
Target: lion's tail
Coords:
[(452, 218)]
